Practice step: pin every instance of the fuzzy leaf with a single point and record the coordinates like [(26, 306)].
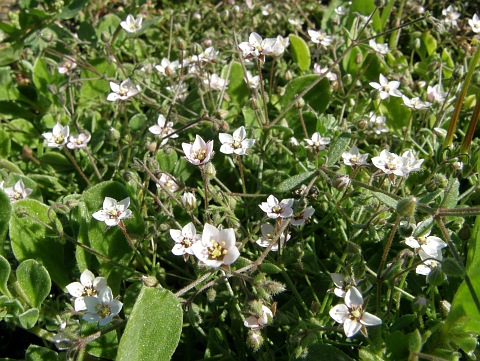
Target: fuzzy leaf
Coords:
[(29, 318), (34, 281), (337, 148), (300, 52), (295, 181), (5, 270), (389, 201)]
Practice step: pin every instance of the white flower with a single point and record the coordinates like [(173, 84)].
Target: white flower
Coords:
[(167, 181), (341, 10), (184, 240), (253, 48), (17, 192), (431, 245), (123, 91), (352, 315), (411, 164), (275, 46), (435, 93), (78, 141), (66, 66), (379, 48), (451, 16), (415, 103), (216, 247), (354, 158), (475, 23), (58, 137), (113, 212), (317, 69), (320, 37), (238, 143), (255, 322), (275, 209), (317, 142), (386, 88), (268, 235), (131, 25), (167, 67), (207, 56), (299, 218), (378, 123), (189, 201), (89, 285), (390, 163), (199, 152), (103, 308), (179, 89), (163, 129), (340, 284), (296, 22), (267, 9), (216, 83), (429, 262), (252, 81)]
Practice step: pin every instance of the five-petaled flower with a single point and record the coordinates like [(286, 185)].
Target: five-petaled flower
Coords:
[(216, 83), (238, 143), (163, 129), (436, 93), (317, 142), (167, 67), (390, 163), (275, 209), (354, 158), (352, 315), (168, 181), (299, 218), (17, 192), (199, 152), (269, 234), (415, 103), (429, 262), (216, 247), (66, 66), (431, 245), (386, 88), (103, 308), (379, 48), (123, 91), (258, 321), (78, 141), (58, 137), (89, 286), (475, 23), (113, 212), (320, 37), (184, 240), (131, 24)]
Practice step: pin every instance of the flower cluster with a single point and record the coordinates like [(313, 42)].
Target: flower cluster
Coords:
[(391, 163), (60, 136), (256, 47)]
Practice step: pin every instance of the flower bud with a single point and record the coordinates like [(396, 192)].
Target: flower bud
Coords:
[(358, 59), (274, 288), (445, 307), (196, 16), (197, 48), (181, 44), (105, 36), (438, 181), (379, 3), (149, 281), (210, 171), (211, 294), (208, 42), (362, 124), (458, 72), (341, 182), (417, 43), (114, 134), (407, 206), (254, 339), (255, 105), (189, 201), (420, 304), (436, 276), (222, 114), (347, 79), (299, 104), (288, 75)]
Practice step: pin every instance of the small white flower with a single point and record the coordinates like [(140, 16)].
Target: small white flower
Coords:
[(299, 218), (163, 129), (275, 46), (184, 240), (268, 235), (89, 285), (209, 55), (320, 37), (275, 209), (451, 16), (252, 81), (415, 103), (189, 201), (123, 91), (378, 123), (431, 245), (354, 158), (340, 284), (317, 142), (386, 88), (238, 143), (390, 163), (296, 22), (17, 192), (341, 10), (255, 322), (475, 23), (253, 48), (103, 308), (167, 67), (216, 83), (429, 262), (58, 137), (78, 141), (180, 90), (216, 247), (113, 212), (167, 181), (435, 93), (131, 24), (199, 152), (411, 164), (317, 69), (267, 9), (379, 48), (457, 165), (352, 315), (66, 66)]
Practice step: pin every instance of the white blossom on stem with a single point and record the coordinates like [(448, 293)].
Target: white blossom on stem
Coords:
[(320, 37), (199, 152), (475, 23), (300, 217), (386, 88), (236, 143), (275, 209), (17, 192), (184, 240), (113, 212), (89, 285), (122, 91), (268, 235), (415, 103), (103, 308), (354, 158), (131, 24), (317, 142), (379, 48), (78, 141), (163, 129), (58, 137), (255, 322)]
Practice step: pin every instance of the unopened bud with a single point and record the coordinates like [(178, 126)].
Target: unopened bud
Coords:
[(197, 48), (255, 307), (196, 16), (420, 304), (341, 182), (288, 75), (417, 43), (225, 15), (445, 307), (436, 276), (347, 79), (222, 114), (105, 36), (254, 339), (299, 104), (211, 294), (149, 281), (189, 201), (358, 59), (47, 35), (363, 124), (255, 105), (181, 44), (114, 134), (458, 72), (210, 171), (274, 288), (208, 42), (407, 206), (438, 181), (379, 3)]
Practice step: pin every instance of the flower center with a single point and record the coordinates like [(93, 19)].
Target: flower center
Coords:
[(277, 209), (59, 139), (103, 310), (356, 313), (216, 250), (186, 242), (114, 213), (89, 291), (199, 154)]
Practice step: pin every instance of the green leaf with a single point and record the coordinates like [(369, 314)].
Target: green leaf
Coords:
[(451, 194), (429, 42), (300, 52), (415, 342), (29, 318), (389, 201), (5, 144), (237, 88), (7, 88), (337, 148), (452, 268), (5, 270), (447, 69), (104, 347), (270, 268), (137, 121), (34, 282), (367, 7), (167, 159), (324, 352), (86, 32), (30, 239), (58, 161), (10, 53), (97, 88), (24, 133), (5, 213), (397, 114), (152, 336), (295, 181), (37, 353), (423, 227), (73, 8)]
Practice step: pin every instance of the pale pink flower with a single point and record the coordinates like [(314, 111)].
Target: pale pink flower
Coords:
[(199, 152), (268, 235), (386, 88), (275, 209)]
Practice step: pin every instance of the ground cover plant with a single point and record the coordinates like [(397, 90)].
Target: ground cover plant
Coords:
[(237, 180)]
